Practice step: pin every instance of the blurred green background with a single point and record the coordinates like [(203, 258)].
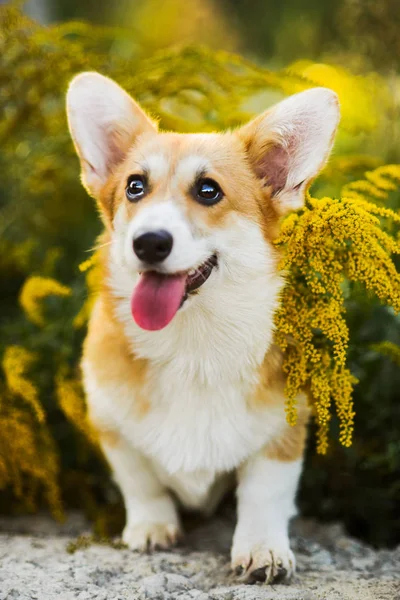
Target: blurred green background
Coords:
[(359, 34), (167, 54)]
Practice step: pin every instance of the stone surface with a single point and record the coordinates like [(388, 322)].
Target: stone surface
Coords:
[(35, 565)]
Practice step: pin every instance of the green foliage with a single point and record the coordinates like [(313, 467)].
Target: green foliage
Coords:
[(48, 455), (360, 485)]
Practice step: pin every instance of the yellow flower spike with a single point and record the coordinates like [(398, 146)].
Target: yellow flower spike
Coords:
[(330, 241), (379, 175), (93, 279), (34, 290), (380, 181), (28, 457), (377, 184), (71, 399), (88, 263), (16, 362), (388, 349), (364, 187)]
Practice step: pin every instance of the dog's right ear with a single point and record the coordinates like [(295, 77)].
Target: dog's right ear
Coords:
[(103, 121), (289, 144)]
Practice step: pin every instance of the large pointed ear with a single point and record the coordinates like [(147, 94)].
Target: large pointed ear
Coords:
[(288, 144), (103, 121)]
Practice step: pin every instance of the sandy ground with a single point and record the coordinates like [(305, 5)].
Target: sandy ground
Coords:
[(35, 564)]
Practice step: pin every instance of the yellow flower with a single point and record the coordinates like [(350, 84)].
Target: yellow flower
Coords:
[(382, 177), (361, 188), (329, 242), (28, 458), (388, 349), (71, 399), (87, 264), (93, 278), (377, 184), (16, 362), (34, 290)]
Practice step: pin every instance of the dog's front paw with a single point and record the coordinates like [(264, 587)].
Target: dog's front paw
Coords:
[(151, 536), (263, 561)]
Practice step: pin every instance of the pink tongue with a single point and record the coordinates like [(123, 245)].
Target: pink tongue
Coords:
[(156, 299)]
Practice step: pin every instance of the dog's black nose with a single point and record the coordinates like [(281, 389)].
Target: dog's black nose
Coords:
[(154, 246)]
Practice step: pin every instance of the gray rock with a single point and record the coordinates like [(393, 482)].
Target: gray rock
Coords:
[(34, 565)]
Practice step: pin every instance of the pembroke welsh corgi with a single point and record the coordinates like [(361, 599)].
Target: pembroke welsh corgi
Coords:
[(184, 383)]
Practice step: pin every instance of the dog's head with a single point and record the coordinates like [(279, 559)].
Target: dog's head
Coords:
[(189, 213)]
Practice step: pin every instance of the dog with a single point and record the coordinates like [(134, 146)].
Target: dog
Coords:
[(184, 383)]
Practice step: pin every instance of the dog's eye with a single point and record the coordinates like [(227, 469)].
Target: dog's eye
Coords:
[(208, 192), (135, 188)]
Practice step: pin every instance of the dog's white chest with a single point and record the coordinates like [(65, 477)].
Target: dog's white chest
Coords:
[(193, 435), (191, 427)]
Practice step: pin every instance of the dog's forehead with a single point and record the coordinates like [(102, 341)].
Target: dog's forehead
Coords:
[(184, 156)]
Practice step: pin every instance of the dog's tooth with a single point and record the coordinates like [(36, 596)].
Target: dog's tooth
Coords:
[(192, 272)]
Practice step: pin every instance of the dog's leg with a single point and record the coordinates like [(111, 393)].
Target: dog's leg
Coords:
[(151, 516), (113, 388), (266, 501)]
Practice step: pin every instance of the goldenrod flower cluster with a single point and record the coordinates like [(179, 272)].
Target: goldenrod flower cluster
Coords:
[(28, 458), (29, 462), (16, 364), (331, 244)]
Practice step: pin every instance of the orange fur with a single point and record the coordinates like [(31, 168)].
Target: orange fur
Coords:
[(107, 351), (290, 445)]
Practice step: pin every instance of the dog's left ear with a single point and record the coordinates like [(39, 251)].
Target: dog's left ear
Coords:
[(288, 144), (104, 122)]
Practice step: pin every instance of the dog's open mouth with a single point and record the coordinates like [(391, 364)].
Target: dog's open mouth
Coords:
[(157, 297), (196, 277)]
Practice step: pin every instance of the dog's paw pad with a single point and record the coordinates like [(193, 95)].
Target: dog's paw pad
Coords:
[(146, 537), (258, 575)]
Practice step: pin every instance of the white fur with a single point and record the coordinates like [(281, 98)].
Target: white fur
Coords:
[(266, 494), (157, 165), (151, 513), (190, 166)]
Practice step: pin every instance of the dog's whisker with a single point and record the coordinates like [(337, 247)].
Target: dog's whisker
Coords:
[(94, 248)]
